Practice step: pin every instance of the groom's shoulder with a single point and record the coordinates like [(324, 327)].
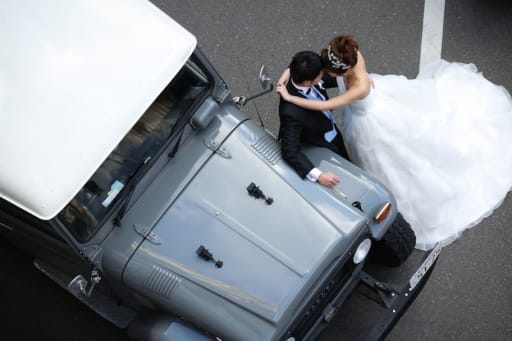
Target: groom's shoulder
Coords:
[(285, 107), (288, 110)]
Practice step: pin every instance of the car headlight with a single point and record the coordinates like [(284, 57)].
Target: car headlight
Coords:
[(362, 251)]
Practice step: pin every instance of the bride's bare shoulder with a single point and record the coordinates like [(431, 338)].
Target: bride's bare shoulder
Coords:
[(361, 63), (357, 77)]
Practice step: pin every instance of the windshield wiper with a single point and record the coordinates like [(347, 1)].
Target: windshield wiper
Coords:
[(174, 150), (133, 181)]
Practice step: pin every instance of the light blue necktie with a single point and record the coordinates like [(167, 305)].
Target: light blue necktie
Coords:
[(316, 95)]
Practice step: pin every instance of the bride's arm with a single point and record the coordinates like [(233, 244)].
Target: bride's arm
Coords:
[(285, 77), (353, 94), (359, 88)]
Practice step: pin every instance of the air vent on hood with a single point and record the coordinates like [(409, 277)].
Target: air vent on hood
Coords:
[(162, 282), (268, 148)]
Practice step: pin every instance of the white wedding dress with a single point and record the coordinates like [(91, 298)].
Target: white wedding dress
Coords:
[(442, 143)]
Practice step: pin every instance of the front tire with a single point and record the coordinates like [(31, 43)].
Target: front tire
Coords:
[(396, 245)]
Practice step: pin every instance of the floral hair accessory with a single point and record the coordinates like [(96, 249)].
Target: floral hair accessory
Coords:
[(335, 61)]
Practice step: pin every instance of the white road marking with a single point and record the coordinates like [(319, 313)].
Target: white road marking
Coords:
[(432, 35)]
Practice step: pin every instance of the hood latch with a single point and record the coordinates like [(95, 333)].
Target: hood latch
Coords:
[(207, 256), (145, 232), (255, 191), (215, 146)]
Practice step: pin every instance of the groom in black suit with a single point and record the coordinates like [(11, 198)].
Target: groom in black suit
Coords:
[(299, 125)]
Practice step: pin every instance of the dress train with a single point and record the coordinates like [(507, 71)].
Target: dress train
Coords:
[(442, 143)]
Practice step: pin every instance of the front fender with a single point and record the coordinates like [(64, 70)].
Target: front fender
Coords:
[(356, 186)]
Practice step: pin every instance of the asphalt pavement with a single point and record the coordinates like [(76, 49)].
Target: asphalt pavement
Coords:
[(469, 296)]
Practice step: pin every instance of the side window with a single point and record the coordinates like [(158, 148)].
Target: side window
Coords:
[(13, 217)]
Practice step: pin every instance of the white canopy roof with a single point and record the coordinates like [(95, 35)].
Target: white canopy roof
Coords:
[(75, 76)]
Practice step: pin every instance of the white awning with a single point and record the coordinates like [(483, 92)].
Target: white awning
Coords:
[(75, 76)]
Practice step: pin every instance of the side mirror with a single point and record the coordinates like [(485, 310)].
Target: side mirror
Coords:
[(264, 77), (78, 286), (81, 288), (264, 80)]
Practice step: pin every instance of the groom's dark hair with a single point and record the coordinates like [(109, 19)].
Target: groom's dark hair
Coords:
[(305, 66)]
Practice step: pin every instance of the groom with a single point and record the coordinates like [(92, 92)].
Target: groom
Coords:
[(299, 125)]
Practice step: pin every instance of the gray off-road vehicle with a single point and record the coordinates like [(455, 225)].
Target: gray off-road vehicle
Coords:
[(130, 174)]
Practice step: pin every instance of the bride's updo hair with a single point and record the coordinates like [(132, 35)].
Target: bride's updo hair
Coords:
[(341, 54)]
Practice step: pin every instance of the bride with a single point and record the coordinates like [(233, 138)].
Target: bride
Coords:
[(441, 142)]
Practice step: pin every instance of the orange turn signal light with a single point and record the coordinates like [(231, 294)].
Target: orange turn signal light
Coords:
[(383, 213)]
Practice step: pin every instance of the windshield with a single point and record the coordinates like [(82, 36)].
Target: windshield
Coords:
[(139, 146)]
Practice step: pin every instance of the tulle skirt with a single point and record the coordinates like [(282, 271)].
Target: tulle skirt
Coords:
[(442, 144)]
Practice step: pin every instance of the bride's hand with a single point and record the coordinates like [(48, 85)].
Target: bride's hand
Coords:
[(281, 90), (283, 80)]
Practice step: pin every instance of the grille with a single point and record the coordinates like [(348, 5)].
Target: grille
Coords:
[(330, 289), (316, 306)]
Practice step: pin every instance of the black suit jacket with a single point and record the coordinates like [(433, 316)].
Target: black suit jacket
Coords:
[(304, 126)]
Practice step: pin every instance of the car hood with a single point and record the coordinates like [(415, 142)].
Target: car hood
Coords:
[(270, 253)]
